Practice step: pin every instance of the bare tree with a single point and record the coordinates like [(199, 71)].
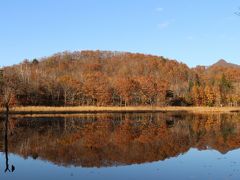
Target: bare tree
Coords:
[(7, 98), (7, 93)]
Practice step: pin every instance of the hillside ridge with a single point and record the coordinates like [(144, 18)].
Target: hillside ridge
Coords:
[(109, 78)]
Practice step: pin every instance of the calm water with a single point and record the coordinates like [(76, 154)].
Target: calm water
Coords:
[(121, 146)]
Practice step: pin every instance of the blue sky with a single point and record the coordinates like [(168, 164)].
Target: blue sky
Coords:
[(190, 31)]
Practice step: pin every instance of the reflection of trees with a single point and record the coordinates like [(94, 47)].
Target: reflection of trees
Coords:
[(106, 140), (6, 127)]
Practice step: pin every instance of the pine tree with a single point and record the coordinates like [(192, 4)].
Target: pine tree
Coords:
[(225, 87)]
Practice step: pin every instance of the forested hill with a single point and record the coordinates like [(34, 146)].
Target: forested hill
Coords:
[(118, 79)]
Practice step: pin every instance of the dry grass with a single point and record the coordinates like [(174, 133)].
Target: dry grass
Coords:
[(91, 109)]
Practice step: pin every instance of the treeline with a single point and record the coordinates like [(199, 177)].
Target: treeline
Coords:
[(102, 78)]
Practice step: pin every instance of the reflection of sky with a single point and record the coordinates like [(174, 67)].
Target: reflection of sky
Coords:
[(194, 164)]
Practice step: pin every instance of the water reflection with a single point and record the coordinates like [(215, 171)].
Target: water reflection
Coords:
[(117, 139), (5, 130)]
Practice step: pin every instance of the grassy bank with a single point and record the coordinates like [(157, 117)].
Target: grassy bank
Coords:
[(94, 109)]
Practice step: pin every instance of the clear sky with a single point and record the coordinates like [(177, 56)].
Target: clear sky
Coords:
[(191, 31)]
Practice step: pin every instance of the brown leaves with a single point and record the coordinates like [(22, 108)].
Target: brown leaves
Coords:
[(118, 78)]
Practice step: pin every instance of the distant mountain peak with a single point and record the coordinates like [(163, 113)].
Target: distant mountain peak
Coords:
[(224, 63)]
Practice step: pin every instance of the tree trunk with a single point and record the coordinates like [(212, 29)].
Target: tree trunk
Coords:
[(7, 109)]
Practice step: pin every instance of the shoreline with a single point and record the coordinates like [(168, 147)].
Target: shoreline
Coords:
[(114, 109)]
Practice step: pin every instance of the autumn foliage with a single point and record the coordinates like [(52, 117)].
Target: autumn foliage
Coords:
[(120, 139), (103, 78)]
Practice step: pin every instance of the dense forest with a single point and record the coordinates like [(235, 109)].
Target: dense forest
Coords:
[(104, 78)]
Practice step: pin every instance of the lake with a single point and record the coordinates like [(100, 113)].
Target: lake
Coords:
[(130, 146)]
